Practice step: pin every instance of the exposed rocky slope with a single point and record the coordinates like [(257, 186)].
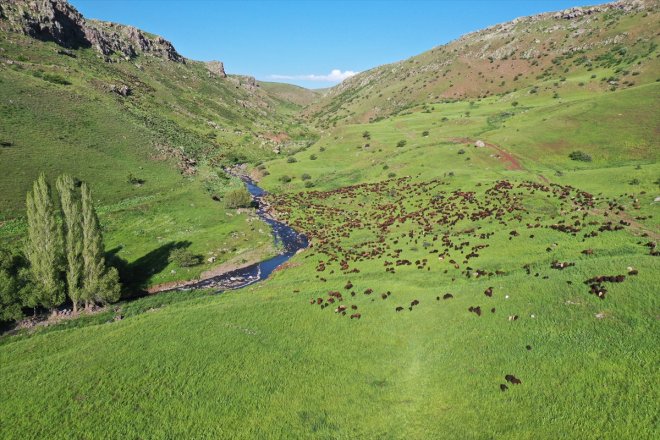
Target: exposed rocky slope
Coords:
[(58, 21), (506, 57)]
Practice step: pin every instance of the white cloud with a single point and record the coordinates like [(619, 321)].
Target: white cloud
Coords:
[(336, 75)]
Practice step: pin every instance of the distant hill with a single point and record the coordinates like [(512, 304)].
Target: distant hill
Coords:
[(618, 39), (296, 95)]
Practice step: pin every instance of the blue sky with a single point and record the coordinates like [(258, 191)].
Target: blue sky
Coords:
[(303, 42)]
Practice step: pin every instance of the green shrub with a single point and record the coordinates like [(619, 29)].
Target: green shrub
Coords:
[(184, 258), (291, 159), (305, 176), (309, 184), (285, 179), (391, 175), (401, 144), (425, 133), (56, 79), (580, 155), (238, 198), (312, 157), (461, 151), (134, 180)]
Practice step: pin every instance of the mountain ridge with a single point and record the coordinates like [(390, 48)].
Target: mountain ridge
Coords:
[(500, 53)]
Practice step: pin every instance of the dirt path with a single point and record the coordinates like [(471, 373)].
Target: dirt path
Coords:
[(511, 162)]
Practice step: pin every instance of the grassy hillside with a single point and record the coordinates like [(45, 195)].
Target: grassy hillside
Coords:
[(150, 135), (290, 93), (616, 42)]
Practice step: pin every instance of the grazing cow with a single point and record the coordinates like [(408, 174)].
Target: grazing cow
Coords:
[(447, 296), (489, 292), (476, 310), (414, 303), (513, 317), (398, 309), (528, 347), (512, 379), (503, 387), (356, 316)]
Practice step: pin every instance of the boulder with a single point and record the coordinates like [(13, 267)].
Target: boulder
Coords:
[(216, 68), (122, 90), (480, 144)]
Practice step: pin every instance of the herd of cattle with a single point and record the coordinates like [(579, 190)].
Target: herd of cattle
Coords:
[(409, 225), (377, 221)]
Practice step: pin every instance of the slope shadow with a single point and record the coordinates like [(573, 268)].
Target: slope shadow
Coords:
[(135, 276)]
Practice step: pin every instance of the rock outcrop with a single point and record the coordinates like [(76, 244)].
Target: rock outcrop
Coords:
[(58, 21), (216, 68)]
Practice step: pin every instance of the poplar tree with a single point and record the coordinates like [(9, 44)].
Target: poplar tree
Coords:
[(73, 237), (43, 247), (99, 284)]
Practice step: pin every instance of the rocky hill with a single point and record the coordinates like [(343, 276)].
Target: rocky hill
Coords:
[(58, 21), (84, 87), (619, 39)]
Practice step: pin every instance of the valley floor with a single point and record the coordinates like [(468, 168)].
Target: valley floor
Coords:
[(525, 235)]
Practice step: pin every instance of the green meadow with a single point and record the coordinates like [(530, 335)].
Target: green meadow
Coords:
[(479, 267)]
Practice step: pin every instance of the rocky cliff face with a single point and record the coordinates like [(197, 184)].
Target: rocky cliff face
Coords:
[(58, 21), (216, 68)]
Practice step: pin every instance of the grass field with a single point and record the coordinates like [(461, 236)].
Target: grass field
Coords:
[(263, 362), (466, 268)]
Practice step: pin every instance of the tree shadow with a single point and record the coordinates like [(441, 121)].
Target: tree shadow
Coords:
[(135, 276)]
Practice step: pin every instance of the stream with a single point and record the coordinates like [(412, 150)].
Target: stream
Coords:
[(285, 238)]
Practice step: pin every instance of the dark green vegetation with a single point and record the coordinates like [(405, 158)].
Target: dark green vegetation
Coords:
[(518, 260), (63, 256)]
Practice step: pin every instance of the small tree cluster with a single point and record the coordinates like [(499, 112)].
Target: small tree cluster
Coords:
[(184, 258), (238, 198), (580, 156), (65, 249)]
